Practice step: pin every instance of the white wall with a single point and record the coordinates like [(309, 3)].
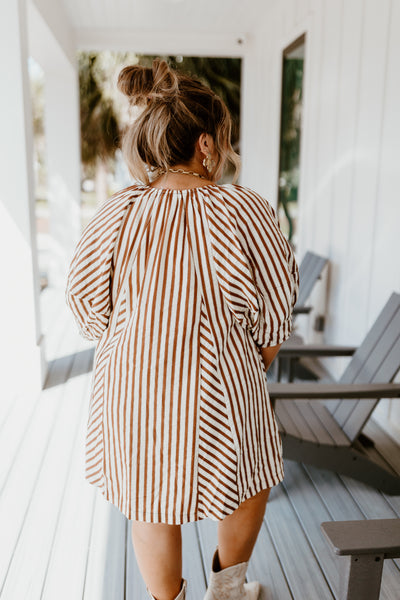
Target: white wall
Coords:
[(349, 207)]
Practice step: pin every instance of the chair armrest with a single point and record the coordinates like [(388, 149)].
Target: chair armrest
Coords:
[(322, 391), (302, 310), (289, 349), (373, 536)]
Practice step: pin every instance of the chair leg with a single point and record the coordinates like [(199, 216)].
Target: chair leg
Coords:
[(283, 368), (292, 368), (361, 577)]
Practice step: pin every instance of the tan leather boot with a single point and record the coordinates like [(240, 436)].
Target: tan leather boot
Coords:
[(228, 584), (180, 596)]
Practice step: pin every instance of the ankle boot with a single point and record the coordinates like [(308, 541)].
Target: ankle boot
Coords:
[(180, 596), (228, 583)]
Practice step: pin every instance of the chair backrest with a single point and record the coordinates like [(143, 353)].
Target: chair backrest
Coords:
[(309, 271), (377, 360)]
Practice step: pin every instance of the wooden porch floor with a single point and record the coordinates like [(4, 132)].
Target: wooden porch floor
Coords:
[(61, 540)]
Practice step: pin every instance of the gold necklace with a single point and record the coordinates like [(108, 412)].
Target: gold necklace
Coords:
[(183, 173)]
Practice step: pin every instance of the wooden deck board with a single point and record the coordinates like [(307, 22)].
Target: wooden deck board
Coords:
[(18, 418), (265, 566), (6, 407), (69, 552), (61, 539), (47, 495), (192, 563), (302, 570), (22, 479), (106, 564), (303, 494), (207, 532)]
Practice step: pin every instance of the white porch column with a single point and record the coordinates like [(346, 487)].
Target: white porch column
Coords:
[(62, 131), (21, 360), (52, 44), (259, 165)]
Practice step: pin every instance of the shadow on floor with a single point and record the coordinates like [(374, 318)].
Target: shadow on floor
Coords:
[(57, 373)]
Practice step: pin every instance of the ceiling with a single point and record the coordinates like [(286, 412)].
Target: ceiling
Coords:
[(187, 27), (191, 16)]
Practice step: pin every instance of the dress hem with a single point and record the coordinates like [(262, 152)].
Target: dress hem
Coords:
[(132, 515)]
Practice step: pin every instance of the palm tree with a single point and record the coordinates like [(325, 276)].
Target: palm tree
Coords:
[(99, 123)]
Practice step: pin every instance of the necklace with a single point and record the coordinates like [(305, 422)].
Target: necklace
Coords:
[(183, 173)]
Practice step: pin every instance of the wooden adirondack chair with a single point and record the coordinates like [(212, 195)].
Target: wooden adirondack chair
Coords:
[(321, 423), (364, 546), (309, 272)]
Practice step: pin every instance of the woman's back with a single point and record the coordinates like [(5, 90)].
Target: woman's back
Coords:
[(200, 277)]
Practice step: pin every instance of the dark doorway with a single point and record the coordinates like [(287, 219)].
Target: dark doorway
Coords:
[(289, 151)]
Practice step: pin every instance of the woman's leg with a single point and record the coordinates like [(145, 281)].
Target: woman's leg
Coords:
[(158, 551), (237, 533)]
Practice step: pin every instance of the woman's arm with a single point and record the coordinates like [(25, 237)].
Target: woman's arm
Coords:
[(269, 354), (88, 286), (274, 269)]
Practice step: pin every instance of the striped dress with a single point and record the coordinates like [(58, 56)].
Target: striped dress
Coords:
[(181, 289)]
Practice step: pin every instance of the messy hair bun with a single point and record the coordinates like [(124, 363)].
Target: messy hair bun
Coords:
[(141, 84), (177, 109)]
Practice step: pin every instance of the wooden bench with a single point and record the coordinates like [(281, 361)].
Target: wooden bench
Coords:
[(366, 544)]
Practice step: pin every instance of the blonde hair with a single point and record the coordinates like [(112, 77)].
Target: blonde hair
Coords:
[(176, 110)]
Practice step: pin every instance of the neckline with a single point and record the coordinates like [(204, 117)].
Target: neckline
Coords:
[(198, 187)]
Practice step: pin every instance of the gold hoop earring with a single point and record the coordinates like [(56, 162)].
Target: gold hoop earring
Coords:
[(208, 162)]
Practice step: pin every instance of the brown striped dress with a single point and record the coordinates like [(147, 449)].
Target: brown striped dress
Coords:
[(181, 288)]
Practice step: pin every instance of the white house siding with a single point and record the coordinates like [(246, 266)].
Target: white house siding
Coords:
[(349, 205)]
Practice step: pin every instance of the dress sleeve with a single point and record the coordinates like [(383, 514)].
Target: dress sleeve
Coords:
[(88, 289), (275, 273)]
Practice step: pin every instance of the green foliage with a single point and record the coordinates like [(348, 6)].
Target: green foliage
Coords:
[(99, 122), (289, 158), (292, 79)]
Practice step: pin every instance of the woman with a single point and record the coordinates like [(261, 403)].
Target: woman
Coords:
[(189, 287)]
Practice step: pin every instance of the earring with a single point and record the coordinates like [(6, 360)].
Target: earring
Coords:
[(208, 163)]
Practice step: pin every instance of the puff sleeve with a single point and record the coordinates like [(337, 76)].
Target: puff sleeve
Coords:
[(274, 270), (88, 289)]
